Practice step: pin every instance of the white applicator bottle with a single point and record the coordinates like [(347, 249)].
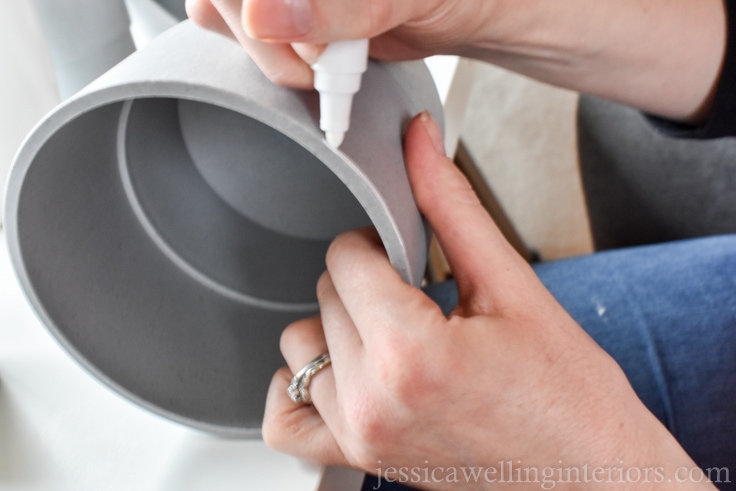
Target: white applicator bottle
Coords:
[(337, 77)]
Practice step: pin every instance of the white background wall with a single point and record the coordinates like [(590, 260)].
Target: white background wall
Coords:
[(27, 86), (523, 138)]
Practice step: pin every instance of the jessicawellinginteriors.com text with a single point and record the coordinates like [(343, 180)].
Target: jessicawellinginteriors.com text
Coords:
[(548, 477)]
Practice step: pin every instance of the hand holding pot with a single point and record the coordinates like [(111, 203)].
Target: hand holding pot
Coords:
[(508, 375), (664, 57), (286, 37)]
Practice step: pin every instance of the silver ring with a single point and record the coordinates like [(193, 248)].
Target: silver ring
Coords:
[(298, 389)]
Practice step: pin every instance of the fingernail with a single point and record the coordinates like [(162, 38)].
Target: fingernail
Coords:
[(433, 131), (279, 19)]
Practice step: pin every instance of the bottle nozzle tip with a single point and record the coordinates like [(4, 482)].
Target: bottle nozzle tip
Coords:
[(334, 138)]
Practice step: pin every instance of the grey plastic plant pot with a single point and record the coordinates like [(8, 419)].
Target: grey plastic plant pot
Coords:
[(167, 222)]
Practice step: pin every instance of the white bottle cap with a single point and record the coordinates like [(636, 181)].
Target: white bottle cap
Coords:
[(337, 77)]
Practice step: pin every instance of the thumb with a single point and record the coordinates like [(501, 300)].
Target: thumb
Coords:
[(322, 21), (487, 269)]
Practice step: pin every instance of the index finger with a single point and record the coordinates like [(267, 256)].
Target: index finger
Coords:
[(378, 301), (279, 62)]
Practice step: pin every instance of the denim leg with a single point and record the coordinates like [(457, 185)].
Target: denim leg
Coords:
[(667, 314)]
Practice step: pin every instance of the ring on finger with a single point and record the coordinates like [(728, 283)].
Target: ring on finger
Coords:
[(298, 389)]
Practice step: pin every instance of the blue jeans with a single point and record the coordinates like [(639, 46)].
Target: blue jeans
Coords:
[(667, 315)]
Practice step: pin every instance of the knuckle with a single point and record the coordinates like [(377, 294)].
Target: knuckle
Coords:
[(278, 426), (202, 12), (324, 285), (371, 429), (295, 334), (335, 252), (409, 377), (343, 248), (270, 434), (337, 245), (280, 431), (365, 457), (398, 366)]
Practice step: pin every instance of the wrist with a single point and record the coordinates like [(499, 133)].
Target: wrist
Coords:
[(528, 29), (620, 445), (662, 57), (643, 455)]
